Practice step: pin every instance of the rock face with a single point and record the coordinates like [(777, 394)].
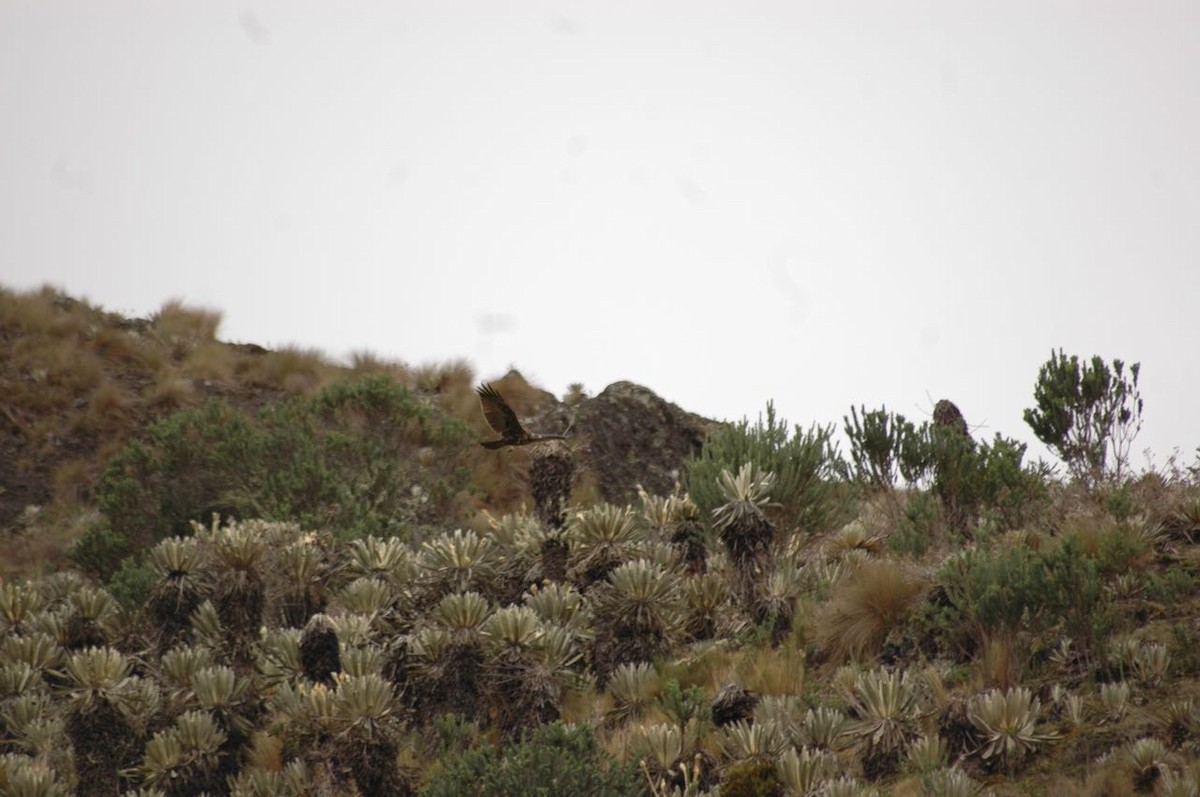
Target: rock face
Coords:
[(634, 437)]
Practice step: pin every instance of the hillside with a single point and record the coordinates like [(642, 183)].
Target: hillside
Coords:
[(78, 382), (229, 570)]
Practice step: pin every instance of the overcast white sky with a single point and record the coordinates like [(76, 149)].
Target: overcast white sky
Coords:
[(822, 203)]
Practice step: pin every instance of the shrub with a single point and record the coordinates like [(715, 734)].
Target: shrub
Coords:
[(803, 463), (555, 759), (989, 480), (132, 583), (184, 468), (1005, 594), (348, 458), (882, 444), (1000, 589), (917, 528), (1075, 594), (996, 593), (1011, 493), (99, 550), (752, 778), (1088, 413), (1170, 585)]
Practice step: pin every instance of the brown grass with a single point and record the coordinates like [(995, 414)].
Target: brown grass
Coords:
[(1108, 781), (293, 369), (71, 479), (999, 664), (108, 408), (45, 311), (182, 328), (171, 390), (365, 363), (453, 376), (864, 605), (123, 347), (211, 362), (763, 669), (39, 546), (58, 366), (266, 752)]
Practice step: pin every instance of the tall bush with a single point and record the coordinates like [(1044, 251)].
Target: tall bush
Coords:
[(882, 445), (1088, 412)]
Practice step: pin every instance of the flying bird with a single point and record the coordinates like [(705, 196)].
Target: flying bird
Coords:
[(504, 422)]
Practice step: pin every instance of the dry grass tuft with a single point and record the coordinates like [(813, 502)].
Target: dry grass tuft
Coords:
[(211, 362), (998, 665), (184, 328), (108, 408), (777, 671), (39, 546), (171, 390), (764, 670), (57, 368), (864, 606), (124, 347), (365, 363), (266, 752), (295, 370), (46, 311), (453, 383), (444, 377), (70, 480), (1088, 529), (1108, 781)]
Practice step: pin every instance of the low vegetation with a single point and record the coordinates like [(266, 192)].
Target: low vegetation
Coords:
[(319, 587)]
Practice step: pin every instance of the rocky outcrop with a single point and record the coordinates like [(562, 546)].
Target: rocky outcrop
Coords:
[(631, 436)]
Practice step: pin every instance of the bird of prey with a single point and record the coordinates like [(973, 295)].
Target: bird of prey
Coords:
[(504, 421)]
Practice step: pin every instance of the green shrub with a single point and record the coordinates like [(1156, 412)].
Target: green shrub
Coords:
[(683, 705), (348, 459), (1000, 588), (132, 583), (995, 594), (1088, 413), (555, 759), (883, 444), (917, 528), (1011, 494), (183, 469), (1170, 586), (752, 778), (1076, 596), (1119, 546), (804, 464), (988, 481), (99, 550), (1119, 501), (1010, 593)]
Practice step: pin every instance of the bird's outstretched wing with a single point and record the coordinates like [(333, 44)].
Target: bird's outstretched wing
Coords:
[(499, 415)]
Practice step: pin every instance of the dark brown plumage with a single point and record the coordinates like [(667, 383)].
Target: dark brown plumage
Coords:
[(504, 422)]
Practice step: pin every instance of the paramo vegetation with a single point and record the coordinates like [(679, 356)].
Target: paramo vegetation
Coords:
[(258, 573)]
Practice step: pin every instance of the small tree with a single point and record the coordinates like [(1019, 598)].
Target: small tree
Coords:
[(1088, 413), (875, 440)]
